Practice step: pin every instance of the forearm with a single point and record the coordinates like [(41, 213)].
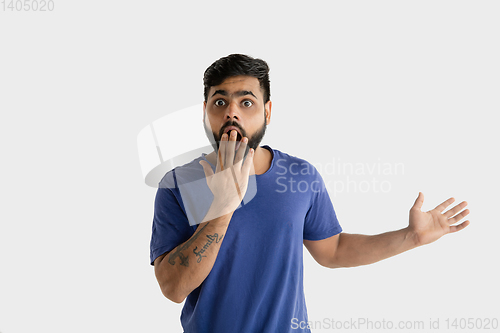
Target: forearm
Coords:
[(185, 267), (356, 250)]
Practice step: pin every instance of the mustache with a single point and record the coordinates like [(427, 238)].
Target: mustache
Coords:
[(232, 123)]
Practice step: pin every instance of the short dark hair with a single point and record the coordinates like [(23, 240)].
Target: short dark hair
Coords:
[(237, 64)]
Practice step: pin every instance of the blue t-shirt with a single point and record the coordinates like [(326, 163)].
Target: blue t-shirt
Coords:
[(256, 283)]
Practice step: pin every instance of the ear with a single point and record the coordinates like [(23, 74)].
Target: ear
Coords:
[(268, 107)]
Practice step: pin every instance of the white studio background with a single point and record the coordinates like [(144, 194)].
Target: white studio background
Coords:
[(381, 83)]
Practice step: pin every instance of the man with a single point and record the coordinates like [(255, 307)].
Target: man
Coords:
[(238, 264)]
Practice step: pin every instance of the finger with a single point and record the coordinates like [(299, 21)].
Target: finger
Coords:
[(455, 228), (248, 164), (230, 149), (444, 204), (241, 150), (458, 217), (207, 169), (456, 209), (221, 162), (419, 201)]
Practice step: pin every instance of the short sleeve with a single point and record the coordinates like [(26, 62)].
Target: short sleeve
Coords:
[(170, 223), (321, 221)]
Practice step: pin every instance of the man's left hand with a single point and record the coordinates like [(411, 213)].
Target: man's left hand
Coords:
[(428, 227)]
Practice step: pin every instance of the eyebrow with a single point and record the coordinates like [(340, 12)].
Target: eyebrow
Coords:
[(238, 93)]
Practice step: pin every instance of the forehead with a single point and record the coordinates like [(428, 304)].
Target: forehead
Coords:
[(238, 83)]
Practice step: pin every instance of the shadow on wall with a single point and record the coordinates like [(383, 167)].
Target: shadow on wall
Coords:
[(164, 145)]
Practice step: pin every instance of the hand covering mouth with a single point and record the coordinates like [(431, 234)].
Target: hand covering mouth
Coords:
[(230, 128)]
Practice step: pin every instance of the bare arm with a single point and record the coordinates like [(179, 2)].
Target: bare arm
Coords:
[(183, 269), (349, 250)]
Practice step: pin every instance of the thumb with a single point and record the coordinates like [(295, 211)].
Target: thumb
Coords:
[(419, 201), (207, 169)]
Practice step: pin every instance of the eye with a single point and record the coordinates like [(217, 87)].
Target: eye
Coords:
[(220, 102), (247, 103)]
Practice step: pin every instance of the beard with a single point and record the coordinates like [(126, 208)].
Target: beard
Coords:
[(253, 141)]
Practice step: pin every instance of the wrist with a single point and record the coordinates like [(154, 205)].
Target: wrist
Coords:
[(225, 205), (411, 237), (219, 212)]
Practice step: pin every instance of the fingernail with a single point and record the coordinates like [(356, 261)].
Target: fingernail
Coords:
[(245, 140), (233, 133)]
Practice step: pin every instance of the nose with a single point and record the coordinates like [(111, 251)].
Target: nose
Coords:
[(232, 111)]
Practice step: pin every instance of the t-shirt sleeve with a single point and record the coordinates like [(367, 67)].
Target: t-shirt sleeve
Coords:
[(170, 223), (321, 221)]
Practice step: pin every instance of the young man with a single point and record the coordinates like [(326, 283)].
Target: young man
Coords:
[(237, 260)]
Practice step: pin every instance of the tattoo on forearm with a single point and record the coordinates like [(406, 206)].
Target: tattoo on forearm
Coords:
[(211, 238), (178, 252), (184, 260)]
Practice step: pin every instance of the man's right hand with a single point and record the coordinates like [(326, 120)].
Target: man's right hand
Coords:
[(229, 183), (186, 266)]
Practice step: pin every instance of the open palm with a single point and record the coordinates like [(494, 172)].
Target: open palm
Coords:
[(432, 225)]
